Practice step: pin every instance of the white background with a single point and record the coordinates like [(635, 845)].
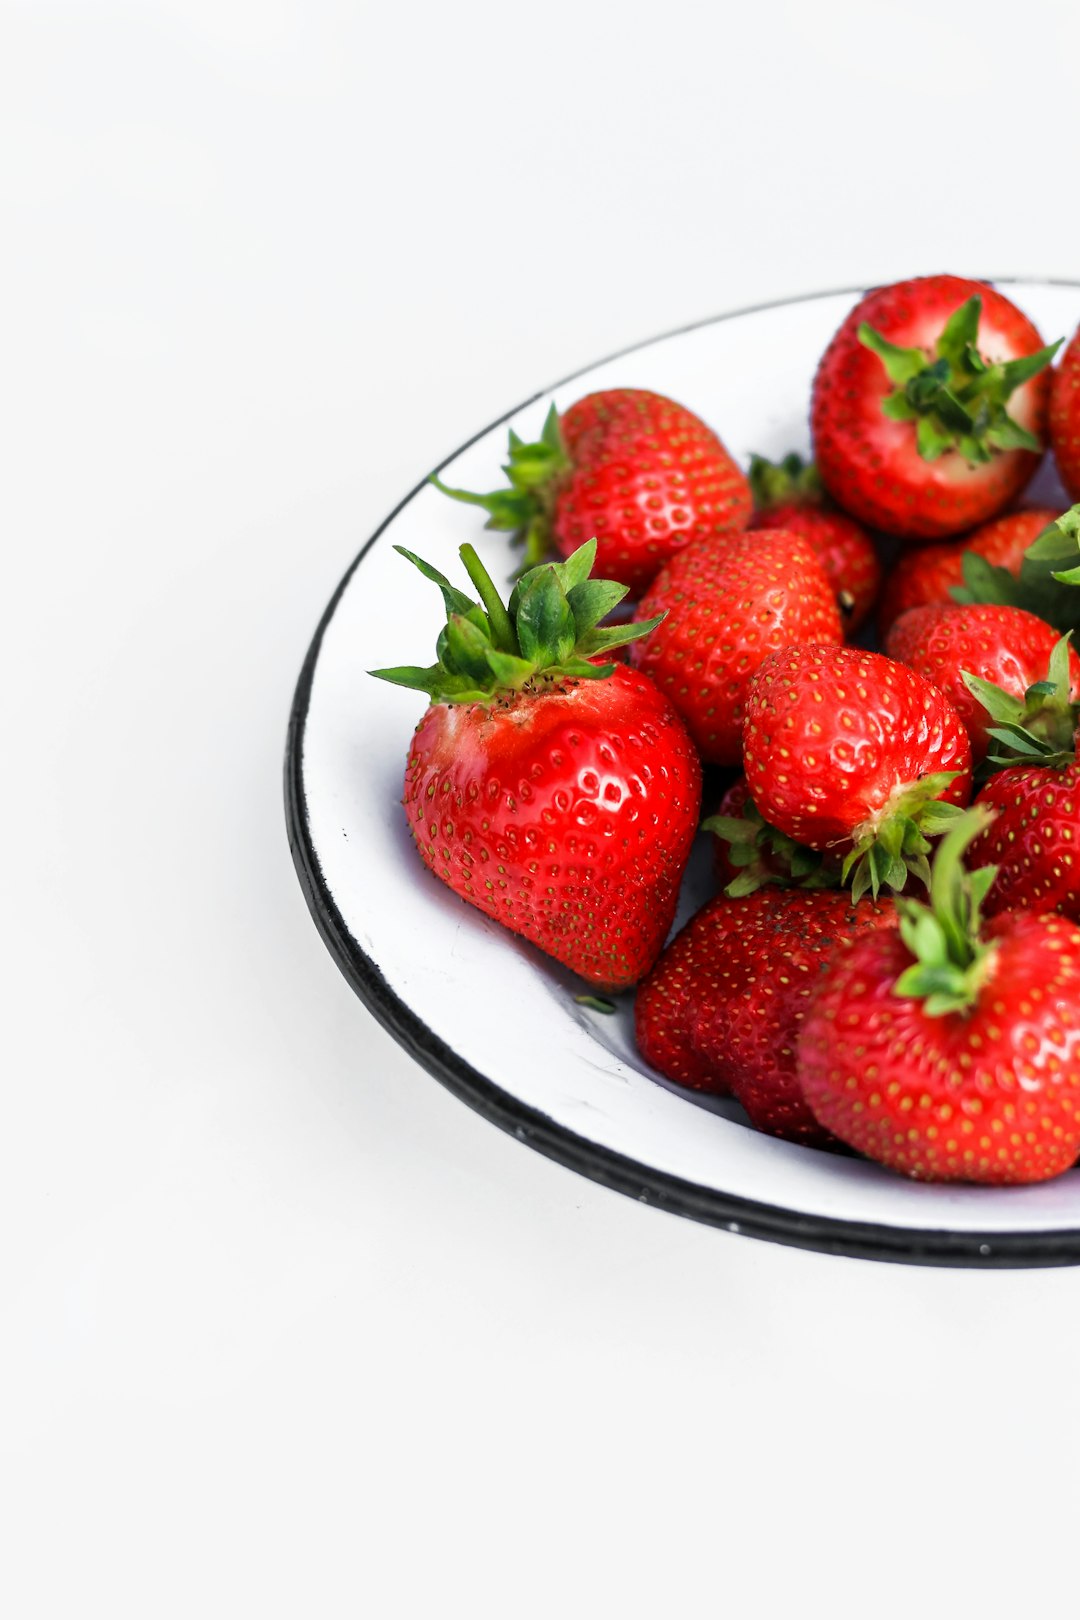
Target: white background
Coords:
[(286, 1329)]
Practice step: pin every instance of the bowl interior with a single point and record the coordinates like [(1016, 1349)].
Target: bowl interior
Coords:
[(488, 1012)]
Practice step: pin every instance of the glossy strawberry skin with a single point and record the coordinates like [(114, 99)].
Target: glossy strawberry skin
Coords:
[(1065, 417), (1005, 645), (871, 464), (720, 1012), (929, 573), (647, 477), (844, 550), (832, 732), (990, 1095), (1035, 841), (728, 606), (565, 814)]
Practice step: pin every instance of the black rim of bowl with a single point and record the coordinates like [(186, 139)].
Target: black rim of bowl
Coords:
[(860, 1239)]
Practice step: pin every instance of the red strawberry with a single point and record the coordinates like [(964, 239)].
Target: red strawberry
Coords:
[(1035, 841), (930, 573), (727, 607), (1002, 646), (789, 495), (640, 473), (846, 751), (1046, 584), (558, 795), (929, 406), (1065, 417), (721, 1010), (950, 1050)]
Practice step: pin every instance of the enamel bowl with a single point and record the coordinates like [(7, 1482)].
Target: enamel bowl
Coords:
[(487, 1014)]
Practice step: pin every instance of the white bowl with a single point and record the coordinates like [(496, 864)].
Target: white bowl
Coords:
[(491, 1017)]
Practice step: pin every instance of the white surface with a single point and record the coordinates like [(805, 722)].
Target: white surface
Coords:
[(499, 1005), (287, 1330)]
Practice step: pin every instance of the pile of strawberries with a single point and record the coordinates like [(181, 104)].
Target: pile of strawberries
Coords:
[(893, 964)]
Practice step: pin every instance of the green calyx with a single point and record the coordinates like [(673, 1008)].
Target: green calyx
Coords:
[(791, 479), (598, 1004), (956, 399), (1047, 581), (533, 472), (765, 855), (1040, 727), (549, 631), (944, 937), (896, 844)]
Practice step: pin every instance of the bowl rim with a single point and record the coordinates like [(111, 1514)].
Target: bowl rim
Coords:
[(825, 1234)]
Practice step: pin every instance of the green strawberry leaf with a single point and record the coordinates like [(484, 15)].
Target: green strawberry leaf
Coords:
[(618, 635), (932, 439), (544, 620), (592, 600), (1040, 727), (956, 345), (1047, 581), (766, 855), (944, 937), (956, 399), (899, 409), (533, 471), (599, 1004), (790, 479), (575, 569), (901, 365), (455, 601), (985, 582), (484, 652), (745, 883)]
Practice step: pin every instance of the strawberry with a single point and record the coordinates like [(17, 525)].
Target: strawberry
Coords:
[(931, 573), (1065, 417), (1035, 841), (749, 853), (720, 1011), (848, 752), (789, 495), (929, 407), (966, 649), (1046, 581), (557, 794), (949, 1049), (637, 471), (726, 608)]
